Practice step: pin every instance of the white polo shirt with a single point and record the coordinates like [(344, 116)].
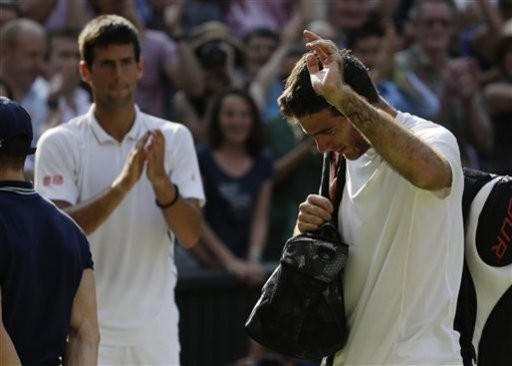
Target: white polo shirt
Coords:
[(132, 250), (405, 259)]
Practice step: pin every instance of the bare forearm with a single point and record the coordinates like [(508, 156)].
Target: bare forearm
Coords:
[(8, 355), (184, 220), (188, 75), (183, 217), (38, 10), (408, 155), (84, 335), (81, 351), (89, 215), (386, 68), (213, 243), (185, 113), (491, 14), (264, 78), (259, 223), (480, 128), (257, 241), (287, 163)]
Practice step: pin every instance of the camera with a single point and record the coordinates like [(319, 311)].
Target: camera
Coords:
[(211, 55)]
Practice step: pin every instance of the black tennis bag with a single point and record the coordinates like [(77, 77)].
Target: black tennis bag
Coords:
[(301, 312), (484, 308)]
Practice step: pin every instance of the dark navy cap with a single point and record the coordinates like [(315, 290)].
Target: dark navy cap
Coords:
[(14, 121)]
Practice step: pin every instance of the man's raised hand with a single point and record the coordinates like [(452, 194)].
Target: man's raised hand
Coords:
[(325, 65)]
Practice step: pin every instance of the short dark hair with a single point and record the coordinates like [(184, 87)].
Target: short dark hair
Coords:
[(414, 10), (368, 29), (299, 99), (14, 161), (106, 30), (11, 5), (8, 89), (261, 32), (255, 142), (66, 31), (10, 31)]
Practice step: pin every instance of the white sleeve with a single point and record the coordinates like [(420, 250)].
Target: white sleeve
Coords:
[(181, 163), (56, 165), (448, 147), (441, 139)]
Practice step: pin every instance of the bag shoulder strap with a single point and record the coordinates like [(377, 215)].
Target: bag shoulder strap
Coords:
[(325, 180), (334, 165), (474, 180), (333, 179), (341, 178)]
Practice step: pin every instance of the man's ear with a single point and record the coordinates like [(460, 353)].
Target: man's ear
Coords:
[(84, 71)]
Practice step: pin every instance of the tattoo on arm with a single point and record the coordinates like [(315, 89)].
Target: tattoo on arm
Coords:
[(362, 114)]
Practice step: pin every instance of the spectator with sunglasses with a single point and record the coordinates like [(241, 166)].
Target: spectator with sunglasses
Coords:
[(455, 81)]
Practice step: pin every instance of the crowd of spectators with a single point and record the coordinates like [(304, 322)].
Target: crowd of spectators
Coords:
[(445, 60)]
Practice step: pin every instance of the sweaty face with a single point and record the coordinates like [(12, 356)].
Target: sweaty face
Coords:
[(113, 75), (334, 133), (235, 120)]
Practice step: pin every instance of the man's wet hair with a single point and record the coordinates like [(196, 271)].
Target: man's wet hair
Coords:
[(299, 99)]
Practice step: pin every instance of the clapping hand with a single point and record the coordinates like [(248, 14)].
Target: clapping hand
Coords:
[(133, 166), (149, 152), (155, 156)]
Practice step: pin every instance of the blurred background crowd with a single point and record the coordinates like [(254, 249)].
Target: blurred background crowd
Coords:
[(218, 66)]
